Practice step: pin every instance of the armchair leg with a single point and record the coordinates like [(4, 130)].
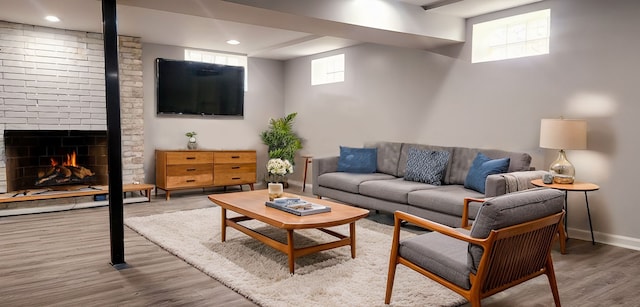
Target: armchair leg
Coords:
[(390, 278), (551, 275), (393, 259)]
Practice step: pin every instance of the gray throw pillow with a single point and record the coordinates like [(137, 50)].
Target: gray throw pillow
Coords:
[(426, 166)]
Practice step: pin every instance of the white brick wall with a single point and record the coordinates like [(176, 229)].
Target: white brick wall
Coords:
[(52, 79)]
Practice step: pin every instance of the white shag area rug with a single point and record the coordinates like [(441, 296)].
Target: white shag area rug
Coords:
[(261, 273)]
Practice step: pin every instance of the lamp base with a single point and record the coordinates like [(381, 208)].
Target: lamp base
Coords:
[(562, 170)]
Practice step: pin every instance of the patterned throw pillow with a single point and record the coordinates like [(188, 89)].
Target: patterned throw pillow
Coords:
[(426, 165), (482, 167), (357, 160)]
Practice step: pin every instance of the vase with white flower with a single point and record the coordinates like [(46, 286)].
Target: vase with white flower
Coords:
[(192, 144), (277, 170)]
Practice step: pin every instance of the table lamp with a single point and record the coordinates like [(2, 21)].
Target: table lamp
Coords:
[(563, 134)]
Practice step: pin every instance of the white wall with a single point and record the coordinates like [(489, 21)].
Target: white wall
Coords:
[(419, 96), (263, 101)]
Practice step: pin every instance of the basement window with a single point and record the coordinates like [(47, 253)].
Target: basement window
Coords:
[(327, 70), (511, 37), (219, 58)]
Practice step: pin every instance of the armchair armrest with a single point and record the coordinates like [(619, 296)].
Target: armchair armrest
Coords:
[(465, 210), (400, 216)]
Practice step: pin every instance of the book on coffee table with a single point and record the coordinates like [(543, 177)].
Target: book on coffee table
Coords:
[(297, 206)]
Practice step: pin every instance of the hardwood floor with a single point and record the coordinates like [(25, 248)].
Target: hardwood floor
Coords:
[(62, 259)]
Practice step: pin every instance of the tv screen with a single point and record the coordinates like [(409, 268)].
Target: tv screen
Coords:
[(196, 88)]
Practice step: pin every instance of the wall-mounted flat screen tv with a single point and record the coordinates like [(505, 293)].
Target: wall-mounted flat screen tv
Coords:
[(196, 88)]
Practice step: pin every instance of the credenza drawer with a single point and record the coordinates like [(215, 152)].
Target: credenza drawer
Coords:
[(189, 181), (219, 169), (225, 179), (234, 157), (189, 157), (189, 169)]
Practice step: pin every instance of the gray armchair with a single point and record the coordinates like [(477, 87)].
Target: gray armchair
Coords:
[(509, 243)]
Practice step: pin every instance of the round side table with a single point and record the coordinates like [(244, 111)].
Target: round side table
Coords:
[(571, 187)]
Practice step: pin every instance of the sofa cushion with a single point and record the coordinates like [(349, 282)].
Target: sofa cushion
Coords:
[(426, 166), (349, 182), (462, 158), (482, 167), (446, 199), (388, 156), (440, 254), (511, 209), (392, 190), (402, 163), (357, 160)]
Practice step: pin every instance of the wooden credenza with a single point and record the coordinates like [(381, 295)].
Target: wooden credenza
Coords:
[(189, 169)]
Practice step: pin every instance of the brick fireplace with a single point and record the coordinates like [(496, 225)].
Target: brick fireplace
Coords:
[(52, 81), (35, 158)]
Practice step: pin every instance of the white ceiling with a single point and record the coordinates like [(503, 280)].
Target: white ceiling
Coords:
[(276, 29)]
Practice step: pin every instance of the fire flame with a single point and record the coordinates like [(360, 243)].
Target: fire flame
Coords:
[(70, 161)]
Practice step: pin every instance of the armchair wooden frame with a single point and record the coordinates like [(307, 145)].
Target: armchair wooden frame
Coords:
[(511, 256)]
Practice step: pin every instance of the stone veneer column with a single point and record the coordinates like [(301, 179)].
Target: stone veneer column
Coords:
[(53, 79), (131, 109)]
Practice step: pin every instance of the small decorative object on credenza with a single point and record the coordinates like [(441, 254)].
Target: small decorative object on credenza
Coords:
[(297, 206), (563, 134), (192, 144), (547, 178)]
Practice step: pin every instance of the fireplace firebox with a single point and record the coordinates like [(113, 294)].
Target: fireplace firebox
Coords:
[(55, 158)]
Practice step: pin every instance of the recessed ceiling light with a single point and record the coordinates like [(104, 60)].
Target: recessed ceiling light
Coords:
[(52, 18), (233, 42)]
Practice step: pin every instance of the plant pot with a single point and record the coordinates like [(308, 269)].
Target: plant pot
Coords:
[(192, 145), (273, 178)]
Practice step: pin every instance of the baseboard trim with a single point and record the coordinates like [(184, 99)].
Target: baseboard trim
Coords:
[(605, 238)]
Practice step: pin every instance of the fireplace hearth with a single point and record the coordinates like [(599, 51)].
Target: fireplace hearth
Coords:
[(55, 158)]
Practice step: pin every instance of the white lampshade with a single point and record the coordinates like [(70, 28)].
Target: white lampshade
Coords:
[(563, 133)]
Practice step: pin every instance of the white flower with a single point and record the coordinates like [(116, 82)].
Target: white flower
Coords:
[(192, 140), (279, 167)]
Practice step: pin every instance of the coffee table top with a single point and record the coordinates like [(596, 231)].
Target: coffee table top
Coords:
[(252, 204)]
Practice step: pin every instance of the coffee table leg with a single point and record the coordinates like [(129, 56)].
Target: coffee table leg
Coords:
[(290, 250), (352, 234), (223, 231)]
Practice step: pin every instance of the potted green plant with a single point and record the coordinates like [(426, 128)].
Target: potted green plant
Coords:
[(282, 141)]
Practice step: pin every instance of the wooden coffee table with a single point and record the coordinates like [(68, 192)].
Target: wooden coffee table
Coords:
[(251, 206)]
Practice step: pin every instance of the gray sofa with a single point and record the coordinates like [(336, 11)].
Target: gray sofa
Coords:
[(387, 191)]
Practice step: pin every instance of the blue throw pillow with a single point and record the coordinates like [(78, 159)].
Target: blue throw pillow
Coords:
[(426, 166), (482, 167), (357, 160)]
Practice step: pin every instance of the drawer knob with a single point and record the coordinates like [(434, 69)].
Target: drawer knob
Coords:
[(190, 169), (236, 178), (235, 157), (191, 158), (191, 180), (235, 167)]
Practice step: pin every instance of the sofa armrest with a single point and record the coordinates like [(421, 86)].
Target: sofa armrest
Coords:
[(495, 185), (322, 166), (500, 184)]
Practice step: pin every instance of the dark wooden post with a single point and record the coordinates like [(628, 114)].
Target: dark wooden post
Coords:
[(114, 136)]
